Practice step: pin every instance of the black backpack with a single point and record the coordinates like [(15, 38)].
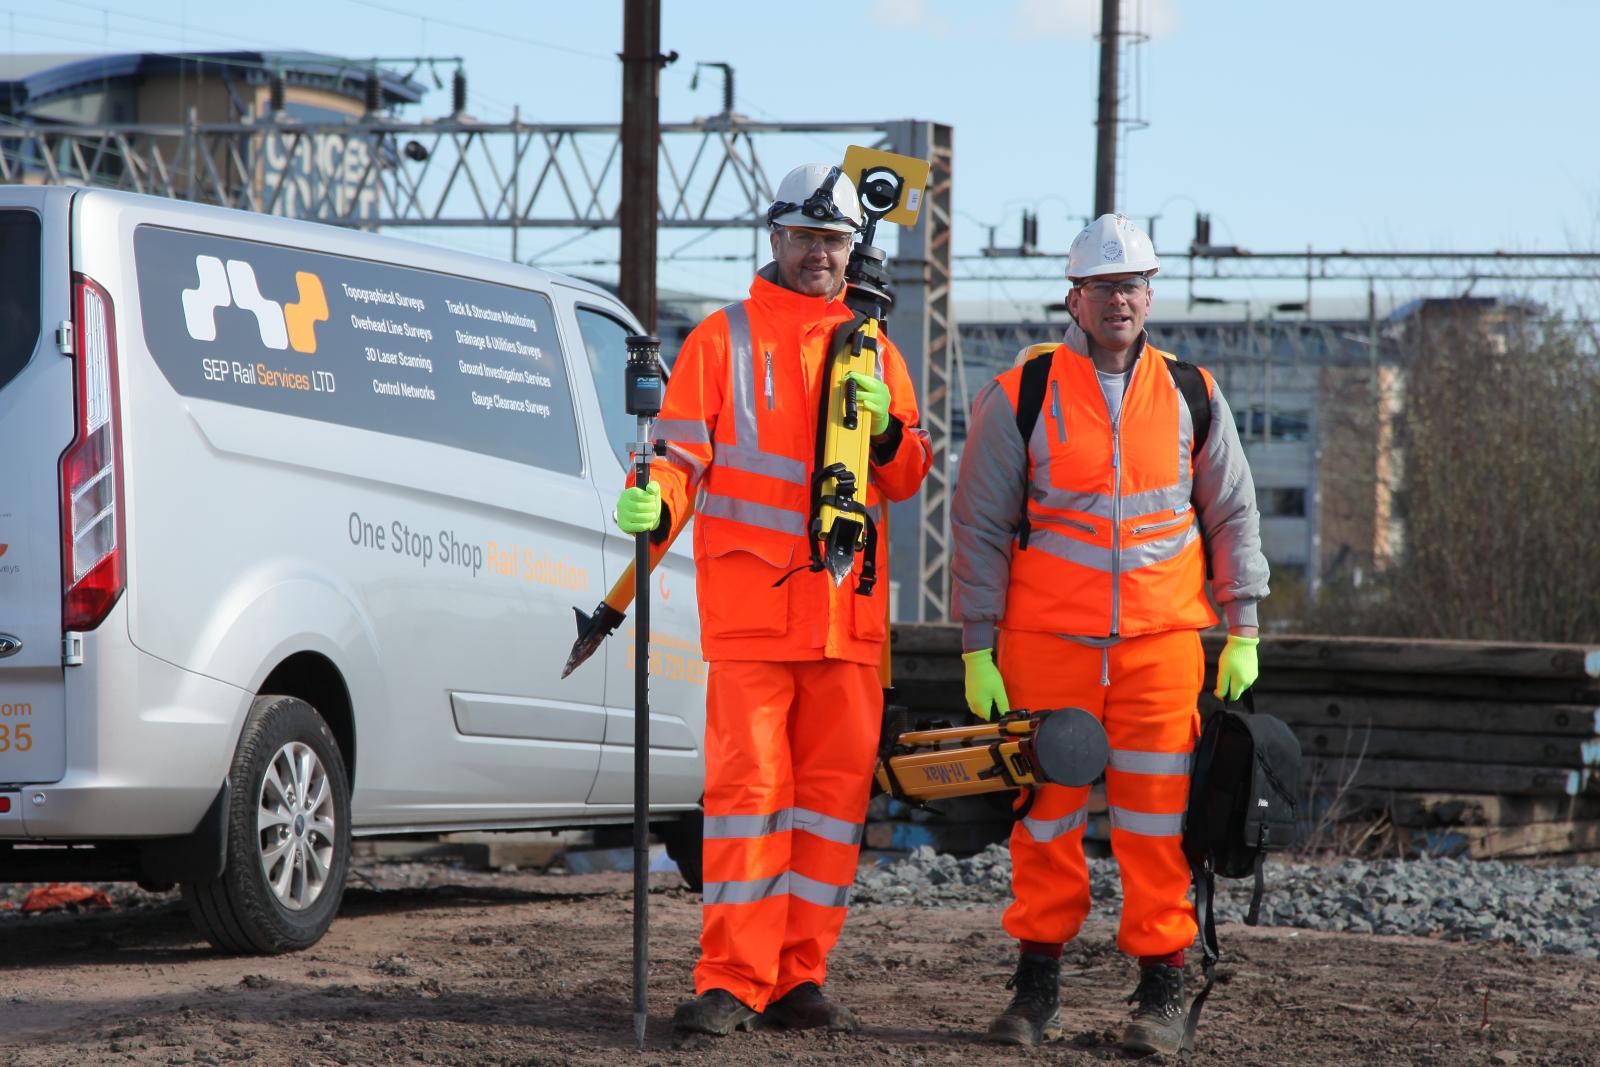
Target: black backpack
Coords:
[(1243, 803), (1030, 401)]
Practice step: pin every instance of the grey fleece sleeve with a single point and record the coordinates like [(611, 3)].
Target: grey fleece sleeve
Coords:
[(1225, 499), (984, 514)]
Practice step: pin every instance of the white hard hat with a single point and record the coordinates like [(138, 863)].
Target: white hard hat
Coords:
[(1111, 244), (818, 196)]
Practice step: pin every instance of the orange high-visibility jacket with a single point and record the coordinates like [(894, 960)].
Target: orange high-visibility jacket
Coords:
[(740, 421), (1115, 544)]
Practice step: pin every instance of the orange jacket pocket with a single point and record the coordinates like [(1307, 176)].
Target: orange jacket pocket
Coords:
[(737, 594)]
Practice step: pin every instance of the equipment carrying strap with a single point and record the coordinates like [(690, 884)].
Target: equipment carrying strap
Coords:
[(1030, 401), (1205, 904)]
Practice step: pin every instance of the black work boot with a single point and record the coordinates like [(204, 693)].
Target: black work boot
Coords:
[(1158, 1021), (716, 1012), (1034, 1014), (805, 1008)]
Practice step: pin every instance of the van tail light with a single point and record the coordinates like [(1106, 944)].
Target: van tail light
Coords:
[(93, 550)]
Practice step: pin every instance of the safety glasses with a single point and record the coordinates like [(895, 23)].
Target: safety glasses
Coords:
[(1102, 290), (806, 240)]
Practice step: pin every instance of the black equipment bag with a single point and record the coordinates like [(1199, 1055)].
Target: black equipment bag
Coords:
[(1243, 803)]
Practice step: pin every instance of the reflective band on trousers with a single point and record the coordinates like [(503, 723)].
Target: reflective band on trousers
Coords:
[(752, 514), (1147, 823), (1132, 761), (791, 883), (1043, 830), (723, 827)]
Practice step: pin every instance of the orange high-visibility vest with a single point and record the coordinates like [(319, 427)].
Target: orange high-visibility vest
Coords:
[(740, 420), (1114, 547)]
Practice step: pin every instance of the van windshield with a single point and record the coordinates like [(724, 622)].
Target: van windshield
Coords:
[(19, 291)]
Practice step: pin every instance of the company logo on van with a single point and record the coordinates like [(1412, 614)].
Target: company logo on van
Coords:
[(233, 284)]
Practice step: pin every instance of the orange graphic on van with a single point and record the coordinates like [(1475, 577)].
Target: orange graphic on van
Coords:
[(233, 284), (3, 549)]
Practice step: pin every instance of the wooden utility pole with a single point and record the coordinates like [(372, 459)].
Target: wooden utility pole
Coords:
[(1105, 153), (641, 139)]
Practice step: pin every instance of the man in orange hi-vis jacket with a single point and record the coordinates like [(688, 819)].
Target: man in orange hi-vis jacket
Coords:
[(1081, 555), (794, 704)]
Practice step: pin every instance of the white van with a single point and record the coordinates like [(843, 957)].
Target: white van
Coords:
[(293, 520)]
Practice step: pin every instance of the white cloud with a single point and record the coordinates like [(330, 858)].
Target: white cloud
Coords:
[(1081, 18), (899, 14)]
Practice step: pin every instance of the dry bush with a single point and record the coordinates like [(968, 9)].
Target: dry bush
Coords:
[(1496, 490)]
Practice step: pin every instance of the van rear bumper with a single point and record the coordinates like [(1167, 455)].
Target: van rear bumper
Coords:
[(148, 745)]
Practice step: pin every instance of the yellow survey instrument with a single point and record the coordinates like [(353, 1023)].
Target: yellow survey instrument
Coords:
[(1063, 746), (890, 188)]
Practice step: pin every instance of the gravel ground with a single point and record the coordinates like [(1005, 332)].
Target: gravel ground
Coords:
[(1542, 909)]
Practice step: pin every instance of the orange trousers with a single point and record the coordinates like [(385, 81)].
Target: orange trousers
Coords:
[(1152, 722), (790, 749)]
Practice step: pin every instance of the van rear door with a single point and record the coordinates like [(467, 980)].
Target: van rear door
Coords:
[(36, 426)]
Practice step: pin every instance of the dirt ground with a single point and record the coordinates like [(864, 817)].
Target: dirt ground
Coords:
[(449, 966)]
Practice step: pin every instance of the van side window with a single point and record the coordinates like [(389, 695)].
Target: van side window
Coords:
[(604, 339), (377, 346), (19, 291)]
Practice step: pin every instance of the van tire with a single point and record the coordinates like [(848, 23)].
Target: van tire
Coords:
[(239, 910), (684, 838)]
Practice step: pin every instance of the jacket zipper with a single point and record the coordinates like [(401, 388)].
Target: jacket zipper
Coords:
[(769, 381), (1116, 522), (1074, 524), (1055, 411), (1162, 525)]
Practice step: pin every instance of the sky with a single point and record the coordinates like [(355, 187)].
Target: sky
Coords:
[(1368, 124)]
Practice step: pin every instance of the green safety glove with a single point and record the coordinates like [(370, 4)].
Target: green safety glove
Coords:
[(1237, 667), (985, 688), (638, 510), (872, 396)]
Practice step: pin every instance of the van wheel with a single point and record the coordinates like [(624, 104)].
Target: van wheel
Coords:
[(288, 847), (684, 838)]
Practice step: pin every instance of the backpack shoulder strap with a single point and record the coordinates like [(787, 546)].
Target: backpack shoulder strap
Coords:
[(1030, 400), (1030, 396), (1192, 384)]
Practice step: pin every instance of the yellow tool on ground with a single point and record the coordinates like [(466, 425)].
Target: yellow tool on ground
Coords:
[(890, 188), (1063, 746)]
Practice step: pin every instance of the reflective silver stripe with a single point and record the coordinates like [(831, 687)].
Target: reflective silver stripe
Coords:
[(746, 453), (680, 458), (721, 827), (820, 893), (827, 827), (842, 831), (1096, 557), (1146, 823), (687, 431), (745, 892), (752, 514), (1165, 499), (1096, 504), (755, 461), (1133, 761), (1042, 830), (741, 367), (1159, 550)]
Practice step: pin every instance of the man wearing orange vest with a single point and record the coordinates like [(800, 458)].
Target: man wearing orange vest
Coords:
[(794, 705), (1079, 580)]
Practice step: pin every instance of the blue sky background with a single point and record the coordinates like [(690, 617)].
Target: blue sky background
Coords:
[(1426, 125)]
